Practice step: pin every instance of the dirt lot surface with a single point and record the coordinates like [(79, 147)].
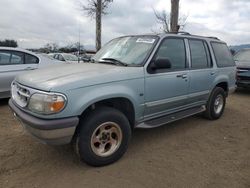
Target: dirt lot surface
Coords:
[(192, 152)]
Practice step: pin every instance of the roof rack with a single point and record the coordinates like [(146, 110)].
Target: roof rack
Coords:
[(180, 32), (214, 38), (187, 33), (183, 33)]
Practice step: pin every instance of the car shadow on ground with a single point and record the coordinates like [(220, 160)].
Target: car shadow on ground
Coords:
[(242, 91), (140, 139), (4, 102)]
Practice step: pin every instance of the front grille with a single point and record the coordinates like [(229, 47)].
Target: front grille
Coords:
[(20, 94), (244, 78), (240, 70)]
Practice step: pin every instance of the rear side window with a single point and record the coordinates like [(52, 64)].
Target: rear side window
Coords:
[(222, 55), (60, 58), (4, 58), (11, 58), (174, 50), (199, 56), (30, 59), (17, 58)]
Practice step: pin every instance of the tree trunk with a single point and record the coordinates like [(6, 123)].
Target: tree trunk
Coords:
[(98, 25), (174, 16)]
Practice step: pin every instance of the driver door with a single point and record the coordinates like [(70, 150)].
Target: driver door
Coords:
[(166, 90)]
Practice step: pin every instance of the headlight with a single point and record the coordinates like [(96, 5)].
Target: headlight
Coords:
[(47, 103)]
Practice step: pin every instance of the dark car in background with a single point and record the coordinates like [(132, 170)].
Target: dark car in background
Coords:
[(242, 60)]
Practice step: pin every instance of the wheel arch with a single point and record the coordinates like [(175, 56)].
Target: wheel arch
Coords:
[(123, 104)]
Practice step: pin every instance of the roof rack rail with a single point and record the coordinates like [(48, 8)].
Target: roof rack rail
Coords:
[(180, 32), (187, 33), (183, 33), (214, 38)]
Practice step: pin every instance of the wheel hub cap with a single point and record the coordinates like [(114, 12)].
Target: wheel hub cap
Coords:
[(106, 139), (218, 104)]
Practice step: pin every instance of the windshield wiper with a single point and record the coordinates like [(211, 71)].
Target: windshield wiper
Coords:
[(113, 61)]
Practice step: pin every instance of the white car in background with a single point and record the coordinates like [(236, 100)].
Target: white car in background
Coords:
[(14, 61), (70, 58)]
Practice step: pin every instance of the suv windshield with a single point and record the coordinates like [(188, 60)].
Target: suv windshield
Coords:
[(242, 56), (70, 57), (131, 50)]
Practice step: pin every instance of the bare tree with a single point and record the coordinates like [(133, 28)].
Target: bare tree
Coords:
[(51, 47), (95, 9), (164, 19)]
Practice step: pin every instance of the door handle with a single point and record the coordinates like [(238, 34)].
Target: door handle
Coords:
[(181, 76), (212, 73)]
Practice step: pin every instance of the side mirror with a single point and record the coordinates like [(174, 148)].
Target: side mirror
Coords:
[(161, 63)]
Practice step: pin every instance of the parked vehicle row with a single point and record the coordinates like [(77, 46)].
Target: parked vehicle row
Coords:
[(141, 81), (242, 59), (70, 58), (14, 61)]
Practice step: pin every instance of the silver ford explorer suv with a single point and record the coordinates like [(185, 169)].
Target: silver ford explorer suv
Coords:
[(141, 81)]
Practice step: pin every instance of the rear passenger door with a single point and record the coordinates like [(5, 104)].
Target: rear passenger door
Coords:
[(201, 72), (13, 63)]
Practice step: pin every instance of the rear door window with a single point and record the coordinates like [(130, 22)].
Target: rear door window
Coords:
[(5, 58), (11, 58), (222, 55), (199, 56), (17, 58)]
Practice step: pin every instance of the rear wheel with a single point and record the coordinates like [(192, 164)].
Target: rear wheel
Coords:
[(216, 104), (104, 136)]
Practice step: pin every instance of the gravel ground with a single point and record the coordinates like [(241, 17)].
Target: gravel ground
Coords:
[(192, 152)]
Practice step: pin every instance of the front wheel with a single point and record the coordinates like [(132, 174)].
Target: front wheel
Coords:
[(104, 136), (216, 104)]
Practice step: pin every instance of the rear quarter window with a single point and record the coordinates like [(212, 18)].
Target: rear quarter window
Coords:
[(30, 59), (222, 55)]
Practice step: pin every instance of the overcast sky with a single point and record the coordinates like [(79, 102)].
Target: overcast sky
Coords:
[(33, 23)]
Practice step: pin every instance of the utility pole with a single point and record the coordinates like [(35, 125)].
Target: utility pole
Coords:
[(174, 16), (98, 24), (79, 41)]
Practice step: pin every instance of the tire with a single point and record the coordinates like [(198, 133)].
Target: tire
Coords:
[(216, 104), (104, 136)]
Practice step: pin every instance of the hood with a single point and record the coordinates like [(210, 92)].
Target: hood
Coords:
[(72, 76), (242, 64)]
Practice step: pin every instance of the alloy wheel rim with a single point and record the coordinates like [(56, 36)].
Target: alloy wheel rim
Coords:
[(106, 139), (218, 104)]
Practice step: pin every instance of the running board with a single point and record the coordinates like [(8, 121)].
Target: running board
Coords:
[(171, 117)]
